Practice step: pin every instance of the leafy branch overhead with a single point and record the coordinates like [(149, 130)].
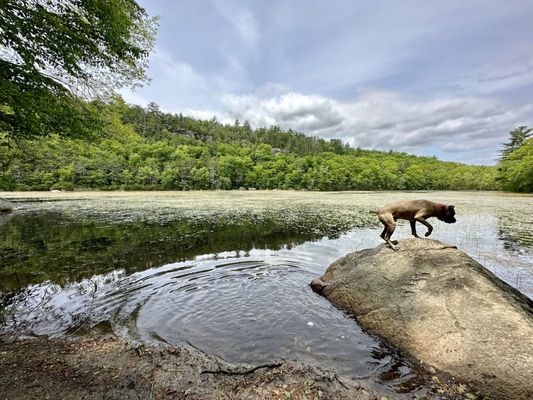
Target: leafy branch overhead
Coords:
[(52, 53)]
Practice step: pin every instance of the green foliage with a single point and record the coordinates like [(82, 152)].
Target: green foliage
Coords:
[(517, 138), (515, 170), (54, 52), (141, 148)]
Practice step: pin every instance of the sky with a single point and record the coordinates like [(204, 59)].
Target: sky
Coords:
[(448, 79)]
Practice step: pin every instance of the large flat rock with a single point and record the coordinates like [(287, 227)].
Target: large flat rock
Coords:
[(444, 308)]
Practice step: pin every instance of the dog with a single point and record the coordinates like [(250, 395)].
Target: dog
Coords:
[(413, 211)]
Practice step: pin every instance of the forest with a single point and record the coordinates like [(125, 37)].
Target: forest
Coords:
[(63, 127), (136, 148)]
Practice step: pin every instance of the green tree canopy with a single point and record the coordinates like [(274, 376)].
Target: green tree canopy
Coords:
[(146, 148), (517, 137), (55, 53), (515, 170)]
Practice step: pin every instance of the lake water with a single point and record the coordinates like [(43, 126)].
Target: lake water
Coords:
[(228, 272)]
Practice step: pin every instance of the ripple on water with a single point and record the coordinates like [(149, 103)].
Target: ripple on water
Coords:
[(248, 308)]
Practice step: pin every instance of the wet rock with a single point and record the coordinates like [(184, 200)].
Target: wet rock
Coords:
[(317, 285), (6, 205), (442, 307)]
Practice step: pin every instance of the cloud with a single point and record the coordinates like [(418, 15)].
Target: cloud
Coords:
[(178, 71), (242, 21), (292, 110), (468, 128), (132, 97), (447, 80), (176, 84), (208, 115), (496, 78)]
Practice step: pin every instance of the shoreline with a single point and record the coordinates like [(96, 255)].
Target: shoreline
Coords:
[(105, 366)]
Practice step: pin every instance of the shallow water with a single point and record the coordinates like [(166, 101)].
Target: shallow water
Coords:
[(229, 272)]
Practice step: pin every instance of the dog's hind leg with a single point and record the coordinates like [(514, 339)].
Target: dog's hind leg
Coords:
[(384, 231), (390, 231), (388, 221)]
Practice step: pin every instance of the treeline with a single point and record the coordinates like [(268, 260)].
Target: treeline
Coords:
[(143, 148)]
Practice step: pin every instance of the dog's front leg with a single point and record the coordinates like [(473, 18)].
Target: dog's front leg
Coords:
[(423, 221), (413, 228)]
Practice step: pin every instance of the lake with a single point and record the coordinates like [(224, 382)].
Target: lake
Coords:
[(228, 272)]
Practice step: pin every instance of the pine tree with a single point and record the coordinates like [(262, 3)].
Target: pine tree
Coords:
[(518, 136)]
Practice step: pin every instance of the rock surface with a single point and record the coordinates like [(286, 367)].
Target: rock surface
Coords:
[(442, 307), (109, 368)]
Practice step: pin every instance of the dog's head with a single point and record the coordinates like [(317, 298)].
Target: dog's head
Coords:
[(448, 215)]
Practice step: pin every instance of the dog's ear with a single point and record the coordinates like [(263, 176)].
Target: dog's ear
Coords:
[(452, 206)]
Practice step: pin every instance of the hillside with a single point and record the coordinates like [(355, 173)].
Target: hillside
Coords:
[(143, 148)]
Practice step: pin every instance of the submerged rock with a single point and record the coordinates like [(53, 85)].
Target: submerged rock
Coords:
[(442, 307), (6, 205)]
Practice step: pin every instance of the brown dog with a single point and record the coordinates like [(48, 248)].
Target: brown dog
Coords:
[(413, 210)]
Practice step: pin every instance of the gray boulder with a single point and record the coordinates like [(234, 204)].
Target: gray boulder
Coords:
[(442, 307)]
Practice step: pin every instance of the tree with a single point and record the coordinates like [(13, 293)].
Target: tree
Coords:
[(515, 171), (518, 136), (53, 54)]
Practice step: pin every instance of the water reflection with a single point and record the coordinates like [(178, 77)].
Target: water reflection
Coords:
[(40, 247), (249, 307), (515, 230), (234, 288)]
